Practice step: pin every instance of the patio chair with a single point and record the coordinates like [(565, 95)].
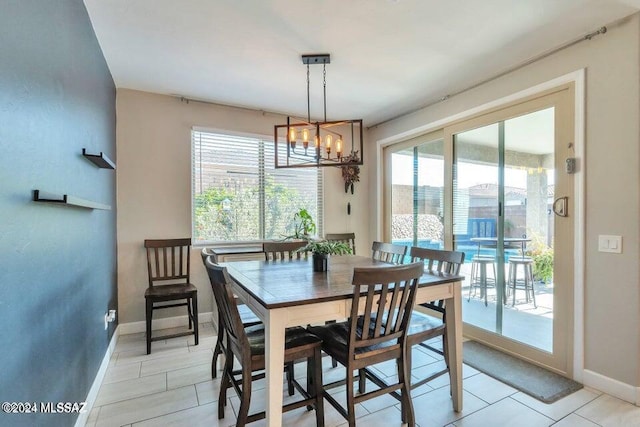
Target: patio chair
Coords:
[(283, 251), (247, 316), (388, 252), (248, 346), (348, 238), (379, 335), (168, 268)]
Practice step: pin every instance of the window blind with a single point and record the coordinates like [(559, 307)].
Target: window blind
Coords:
[(238, 195)]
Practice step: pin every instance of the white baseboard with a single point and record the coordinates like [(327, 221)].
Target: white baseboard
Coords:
[(162, 323), (613, 387), (81, 421)]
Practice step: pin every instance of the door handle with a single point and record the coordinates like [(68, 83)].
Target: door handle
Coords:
[(560, 206)]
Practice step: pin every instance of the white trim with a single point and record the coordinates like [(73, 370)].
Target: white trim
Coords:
[(579, 231), (162, 323), (439, 124), (83, 417), (380, 190), (578, 78), (613, 387)]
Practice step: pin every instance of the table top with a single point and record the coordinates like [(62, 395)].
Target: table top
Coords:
[(276, 284)]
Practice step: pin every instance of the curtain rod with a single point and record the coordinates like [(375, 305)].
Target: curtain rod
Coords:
[(599, 31)]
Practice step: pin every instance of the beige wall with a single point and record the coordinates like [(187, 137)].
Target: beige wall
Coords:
[(612, 300), (154, 186)]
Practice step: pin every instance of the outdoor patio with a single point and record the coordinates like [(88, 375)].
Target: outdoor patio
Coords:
[(522, 322)]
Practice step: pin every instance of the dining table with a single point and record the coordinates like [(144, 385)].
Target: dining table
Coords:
[(508, 242), (289, 293)]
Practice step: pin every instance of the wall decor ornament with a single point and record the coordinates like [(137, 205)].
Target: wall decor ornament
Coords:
[(351, 171)]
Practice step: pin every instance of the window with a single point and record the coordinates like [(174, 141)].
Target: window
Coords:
[(238, 195)]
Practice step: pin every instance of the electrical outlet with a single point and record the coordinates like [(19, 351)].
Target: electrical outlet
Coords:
[(109, 317)]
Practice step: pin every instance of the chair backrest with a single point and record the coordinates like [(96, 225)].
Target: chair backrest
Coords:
[(283, 250), (348, 238), (168, 260), (206, 253), (438, 261), (388, 303), (228, 310), (388, 252)]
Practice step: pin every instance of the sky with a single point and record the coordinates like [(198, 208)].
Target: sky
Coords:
[(431, 172)]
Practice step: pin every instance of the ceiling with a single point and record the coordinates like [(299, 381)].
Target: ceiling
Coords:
[(388, 57)]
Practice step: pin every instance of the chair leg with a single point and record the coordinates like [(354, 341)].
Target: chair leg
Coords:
[(189, 312), (531, 282), (404, 378), (318, 390), (471, 282), (495, 280), (408, 363), (483, 282), (245, 398), (314, 385), (149, 309), (351, 409), (194, 303), (289, 370), (224, 384), (334, 362), (362, 382), (513, 287), (218, 349)]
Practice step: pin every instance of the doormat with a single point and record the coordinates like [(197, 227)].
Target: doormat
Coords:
[(533, 380)]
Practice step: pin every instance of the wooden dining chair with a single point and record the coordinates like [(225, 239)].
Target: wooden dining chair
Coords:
[(283, 251), (168, 268), (247, 345), (387, 295), (424, 327), (348, 238), (388, 252), (247, 316)]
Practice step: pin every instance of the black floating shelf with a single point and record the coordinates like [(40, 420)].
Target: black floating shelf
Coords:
[(100, 160), (65, 199)]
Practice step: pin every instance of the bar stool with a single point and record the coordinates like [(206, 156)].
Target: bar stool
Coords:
[(479, 278), (525, 283)]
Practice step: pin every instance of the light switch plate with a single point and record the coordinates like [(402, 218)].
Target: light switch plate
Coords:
[(609, 243)]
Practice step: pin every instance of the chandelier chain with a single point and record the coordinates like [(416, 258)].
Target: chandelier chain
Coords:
[(308, 102), (324, 89)]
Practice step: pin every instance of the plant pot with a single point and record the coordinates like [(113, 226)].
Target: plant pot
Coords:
[(320, 262)]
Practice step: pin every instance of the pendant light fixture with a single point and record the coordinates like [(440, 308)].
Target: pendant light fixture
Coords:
[(300, 143)]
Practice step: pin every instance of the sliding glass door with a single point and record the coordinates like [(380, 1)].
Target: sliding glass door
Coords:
[(416, 193), (488, 186)]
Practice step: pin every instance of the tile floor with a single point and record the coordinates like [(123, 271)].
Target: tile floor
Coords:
[(173, 387)]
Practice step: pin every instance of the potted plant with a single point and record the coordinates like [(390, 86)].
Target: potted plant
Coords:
[(322, 249), (542, 255), (303, 225)]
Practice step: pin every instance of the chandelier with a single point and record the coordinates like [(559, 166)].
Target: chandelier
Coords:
[(300, 143)]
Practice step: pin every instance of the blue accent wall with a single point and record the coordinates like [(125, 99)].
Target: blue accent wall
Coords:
[(57, 263)]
